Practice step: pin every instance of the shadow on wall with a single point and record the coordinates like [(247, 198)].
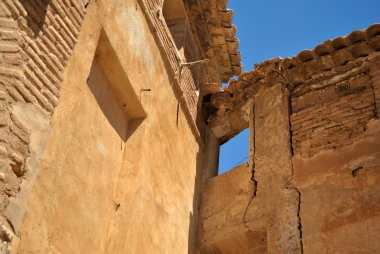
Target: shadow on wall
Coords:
[(194, 215), (36, 13), (102, 92)]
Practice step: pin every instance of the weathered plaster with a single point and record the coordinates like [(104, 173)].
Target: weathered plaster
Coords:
[(146, 181), (39, 128)]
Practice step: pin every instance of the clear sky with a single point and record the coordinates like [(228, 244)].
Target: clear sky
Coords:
[(271, 28)]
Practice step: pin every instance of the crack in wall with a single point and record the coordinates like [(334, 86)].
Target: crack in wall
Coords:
[(244, 221), (246, 210), (252, 162), (255, 183), (253, 153), (292, 175), (299, 219), (372, 76), (216, 212), (252, 198)]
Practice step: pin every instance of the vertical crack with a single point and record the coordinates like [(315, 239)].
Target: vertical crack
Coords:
[(292, 174), (245, 213), (254, 182), (299, 219), (251, 161), (373, 76), (290, 112), (253, 144), (253, 196)]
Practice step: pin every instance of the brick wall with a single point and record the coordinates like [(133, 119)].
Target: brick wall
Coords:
[(374, 71), (36, 42), (334, 93), (316, 79), (332, 117)]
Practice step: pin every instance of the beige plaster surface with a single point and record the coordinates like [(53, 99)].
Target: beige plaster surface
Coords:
[(39, 129), (273, 171), (340, 197), (106, 184), (225, 203)]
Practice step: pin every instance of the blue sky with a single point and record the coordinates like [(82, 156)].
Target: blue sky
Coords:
[(271, 28)]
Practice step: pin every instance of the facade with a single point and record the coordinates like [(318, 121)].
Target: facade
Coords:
[(111, 118), (312, 183)]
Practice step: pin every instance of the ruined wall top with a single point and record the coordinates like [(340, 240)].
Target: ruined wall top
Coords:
[(309, 70), (212, 22)]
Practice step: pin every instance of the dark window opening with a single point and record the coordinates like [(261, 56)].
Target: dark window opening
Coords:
[(175, 17)]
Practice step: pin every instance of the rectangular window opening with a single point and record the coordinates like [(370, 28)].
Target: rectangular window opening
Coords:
[(234, 152)]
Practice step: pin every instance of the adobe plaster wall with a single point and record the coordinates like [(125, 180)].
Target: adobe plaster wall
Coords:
[(336, 163), (98, 191), (300, 202), (340, 196), (316, 157), (225, 226)]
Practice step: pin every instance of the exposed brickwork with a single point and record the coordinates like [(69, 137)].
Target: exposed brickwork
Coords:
[(48, 32), (374, 71), (313, 77), (330, 179), (36, 41), (14, 138), (332, 117)]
